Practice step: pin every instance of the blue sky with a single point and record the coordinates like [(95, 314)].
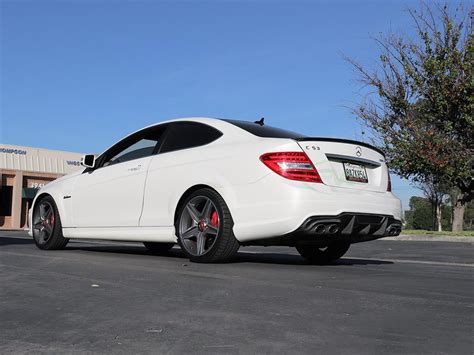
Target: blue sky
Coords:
[(78, 75)]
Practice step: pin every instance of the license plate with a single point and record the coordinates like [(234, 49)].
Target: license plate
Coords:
[(355, 172)]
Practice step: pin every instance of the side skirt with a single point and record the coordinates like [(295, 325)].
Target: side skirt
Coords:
[(134, 234)]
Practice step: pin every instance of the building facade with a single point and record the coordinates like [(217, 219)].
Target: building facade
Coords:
[(23, 170)]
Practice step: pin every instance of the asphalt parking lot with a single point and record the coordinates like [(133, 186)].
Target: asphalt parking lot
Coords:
[(383, 297)]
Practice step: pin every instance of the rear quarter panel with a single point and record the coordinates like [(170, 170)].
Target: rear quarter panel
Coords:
[(221, 165)]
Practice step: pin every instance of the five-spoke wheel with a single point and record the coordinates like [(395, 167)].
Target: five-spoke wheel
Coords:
[(43, 224), (204, 228), (199, 225), (47, 230)]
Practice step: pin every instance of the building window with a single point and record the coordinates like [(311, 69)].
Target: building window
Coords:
[(6, 193)]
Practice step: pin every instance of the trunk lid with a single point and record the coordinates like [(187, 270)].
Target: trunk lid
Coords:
[(347, 164)]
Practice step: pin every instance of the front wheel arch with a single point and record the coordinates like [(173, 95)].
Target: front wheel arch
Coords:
[(50, 222), (38, 199)]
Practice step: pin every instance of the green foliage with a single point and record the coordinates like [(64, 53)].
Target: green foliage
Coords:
[(428, 232), (420, 215), (469, 216), (423, 110), (446, 215)]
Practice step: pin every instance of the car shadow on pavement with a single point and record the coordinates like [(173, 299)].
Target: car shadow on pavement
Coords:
[(122, 249), (241, 257), (292, 259), (14, 241)]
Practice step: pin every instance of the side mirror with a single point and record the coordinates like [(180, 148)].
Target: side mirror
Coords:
[(88, 161)]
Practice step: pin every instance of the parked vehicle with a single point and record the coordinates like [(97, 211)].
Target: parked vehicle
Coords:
[(212, 185)]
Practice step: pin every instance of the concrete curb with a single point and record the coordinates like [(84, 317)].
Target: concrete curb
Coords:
[(431, 238)]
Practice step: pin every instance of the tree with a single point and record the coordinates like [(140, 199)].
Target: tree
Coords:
[(435, 193), (420, 214), (421, 108), (469, 216)]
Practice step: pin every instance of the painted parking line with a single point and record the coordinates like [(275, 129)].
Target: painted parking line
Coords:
[(424, 262), (401, 261)]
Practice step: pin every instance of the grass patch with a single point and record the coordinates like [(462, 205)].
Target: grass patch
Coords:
[(427, 232)]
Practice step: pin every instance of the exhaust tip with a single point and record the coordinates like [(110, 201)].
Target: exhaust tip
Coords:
[(333, 228), (319, 229), (393, 230)]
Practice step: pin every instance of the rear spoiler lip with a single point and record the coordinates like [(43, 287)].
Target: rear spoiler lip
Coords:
[(341, 140)]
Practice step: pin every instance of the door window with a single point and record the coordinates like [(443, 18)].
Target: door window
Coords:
[(140, 149), (140, 145)]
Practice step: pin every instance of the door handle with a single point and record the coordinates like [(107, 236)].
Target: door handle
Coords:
[(136, 168)]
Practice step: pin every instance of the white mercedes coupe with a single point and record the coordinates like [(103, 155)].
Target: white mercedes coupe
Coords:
[(212, 185)]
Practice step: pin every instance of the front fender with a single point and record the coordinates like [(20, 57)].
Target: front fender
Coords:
[(58, 190)]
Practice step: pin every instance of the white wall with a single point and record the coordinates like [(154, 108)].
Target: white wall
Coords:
[(38, 160)]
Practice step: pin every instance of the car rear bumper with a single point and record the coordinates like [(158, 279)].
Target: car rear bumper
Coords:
[(276, 206), (349, 224), (346, 227)]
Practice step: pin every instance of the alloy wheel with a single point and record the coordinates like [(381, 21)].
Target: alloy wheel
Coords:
[(199, 225), (43, 224)]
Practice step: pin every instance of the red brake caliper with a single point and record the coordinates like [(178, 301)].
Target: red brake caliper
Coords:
[(214, 219), (51, 220)]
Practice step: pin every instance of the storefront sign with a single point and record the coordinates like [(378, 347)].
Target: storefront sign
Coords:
[(12, 151), (73, 162)]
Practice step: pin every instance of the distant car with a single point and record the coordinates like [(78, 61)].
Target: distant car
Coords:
[(212, 185)]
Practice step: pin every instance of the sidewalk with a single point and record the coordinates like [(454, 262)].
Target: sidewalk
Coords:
[(431, 238)]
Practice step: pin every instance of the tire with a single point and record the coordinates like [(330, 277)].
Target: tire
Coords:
[(158, 248), (47, 228), (204, 228), (321, 256)]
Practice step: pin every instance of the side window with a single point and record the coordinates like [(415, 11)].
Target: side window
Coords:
[(140, 149), (183, 135), (139, 145)]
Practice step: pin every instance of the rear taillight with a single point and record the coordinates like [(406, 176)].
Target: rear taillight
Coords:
[(292, 165), (389, 182)]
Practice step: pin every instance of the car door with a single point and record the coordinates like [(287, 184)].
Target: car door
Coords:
[(111, 194), (173, 170)]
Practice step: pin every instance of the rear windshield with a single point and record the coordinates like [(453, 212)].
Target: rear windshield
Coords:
[(265, 131)]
